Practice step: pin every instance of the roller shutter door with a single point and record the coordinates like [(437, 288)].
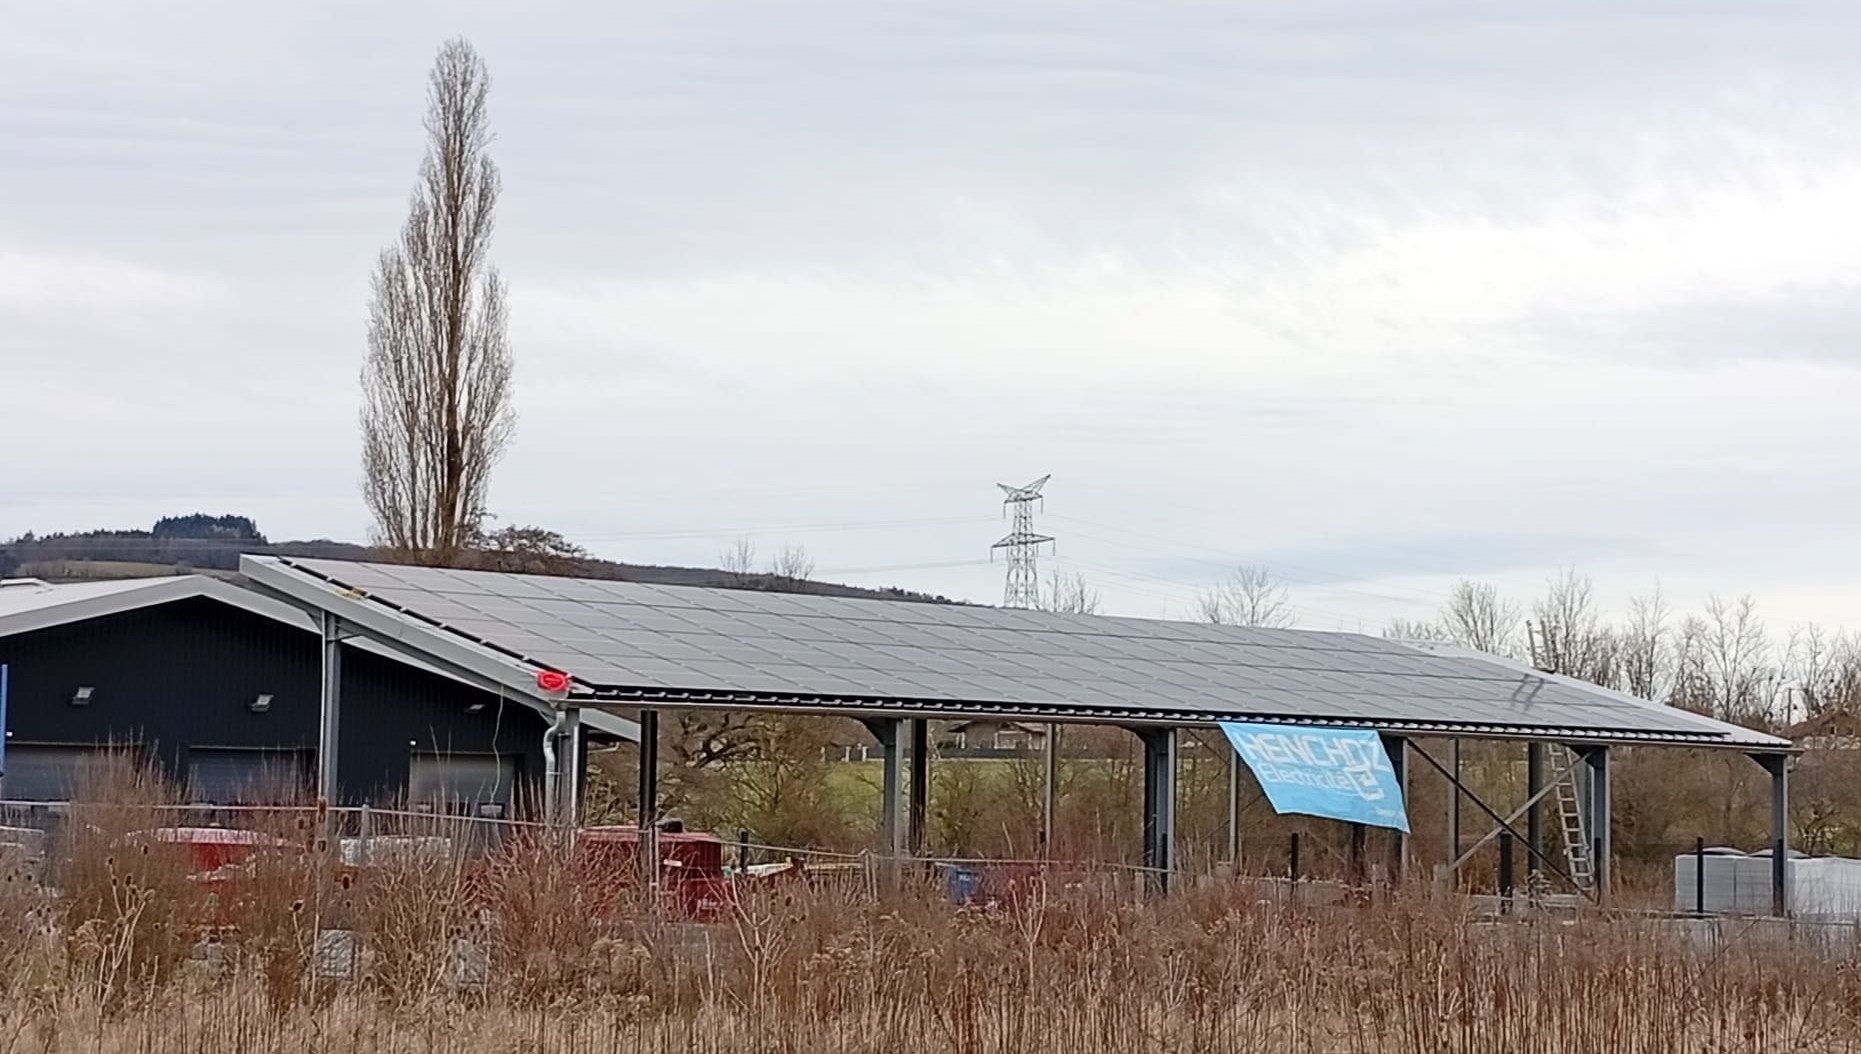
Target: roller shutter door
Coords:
[(462, 783), (245, 777), (36, 773)]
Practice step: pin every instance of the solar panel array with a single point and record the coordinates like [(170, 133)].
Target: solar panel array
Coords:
[(623, 638)]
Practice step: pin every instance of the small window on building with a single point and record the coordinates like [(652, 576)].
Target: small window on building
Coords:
[(462, 784), (220, 776)]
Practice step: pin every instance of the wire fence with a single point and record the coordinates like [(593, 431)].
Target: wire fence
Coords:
[(1695, 882), (357, 834)]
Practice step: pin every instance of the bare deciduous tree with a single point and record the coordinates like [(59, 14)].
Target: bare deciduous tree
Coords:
[(1566, 628), (1840, 690), (1069, 595), (436, 409), (739, 562), (1249, 597), (792, 564), (1810, 658), (1822, 671), (1476, 616), (1646, 652), (698, 747), (1736, 658), (527, 550), (784, 570), (1416, 630), (1692, 686)]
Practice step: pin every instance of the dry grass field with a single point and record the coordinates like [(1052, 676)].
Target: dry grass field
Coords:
[(523, 961), (119, 950)]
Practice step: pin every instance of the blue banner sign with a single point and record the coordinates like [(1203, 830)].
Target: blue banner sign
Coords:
[(1337, 773)]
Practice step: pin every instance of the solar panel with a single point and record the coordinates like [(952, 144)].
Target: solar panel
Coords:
[(621, 639)]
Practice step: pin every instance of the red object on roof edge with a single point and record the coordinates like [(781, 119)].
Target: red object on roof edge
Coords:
[(552, 680)]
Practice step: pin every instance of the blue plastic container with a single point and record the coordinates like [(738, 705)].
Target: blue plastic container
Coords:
[(964, 884)]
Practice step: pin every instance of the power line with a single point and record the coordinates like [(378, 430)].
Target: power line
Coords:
[(1230, 558), (1783, 615), (132, 540), (885, 568), (828, 526), (1319, 614)]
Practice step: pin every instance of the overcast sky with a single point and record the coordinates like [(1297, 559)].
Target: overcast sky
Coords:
[(1376, 293)]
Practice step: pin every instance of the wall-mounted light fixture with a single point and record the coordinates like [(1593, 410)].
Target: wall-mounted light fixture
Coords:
[(261, 704), (81, 697), (476, 707)]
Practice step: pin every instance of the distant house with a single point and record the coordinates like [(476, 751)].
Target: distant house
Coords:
[(219, 686), (1832, 730), (991, 737)]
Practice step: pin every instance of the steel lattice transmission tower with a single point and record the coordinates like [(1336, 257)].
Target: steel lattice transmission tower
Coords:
[(1023, 588)]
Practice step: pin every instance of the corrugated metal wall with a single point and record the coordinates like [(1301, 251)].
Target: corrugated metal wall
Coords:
[(184, 675)]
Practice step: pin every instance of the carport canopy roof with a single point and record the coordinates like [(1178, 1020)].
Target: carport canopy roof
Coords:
[(629, 644)]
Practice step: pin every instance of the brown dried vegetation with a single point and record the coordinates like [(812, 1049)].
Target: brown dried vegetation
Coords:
[(519, 950), (1082, 970)]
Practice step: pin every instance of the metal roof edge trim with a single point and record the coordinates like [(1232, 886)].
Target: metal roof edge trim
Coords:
[(802, 702), (165, 589)]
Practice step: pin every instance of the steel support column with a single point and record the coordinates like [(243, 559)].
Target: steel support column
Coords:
[(1453, 818), (1397, 747), (1050, 796), (569, 750), (1234, 811), (1778, 765), (648, 804), (329, 713), (919, 802), (1159, 806), (891, 830), (1358, 862), (1534, 817), (1596, 759)]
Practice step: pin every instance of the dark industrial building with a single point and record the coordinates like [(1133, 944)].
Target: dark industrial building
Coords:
[(220, 686)]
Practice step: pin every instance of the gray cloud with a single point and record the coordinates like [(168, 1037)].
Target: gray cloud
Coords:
[(1391, 291), (1815, 324)]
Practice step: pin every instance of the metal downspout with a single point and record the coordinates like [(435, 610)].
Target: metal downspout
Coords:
[(552, 770)]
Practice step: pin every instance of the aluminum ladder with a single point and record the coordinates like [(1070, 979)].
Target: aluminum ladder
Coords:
[(1570, 818)]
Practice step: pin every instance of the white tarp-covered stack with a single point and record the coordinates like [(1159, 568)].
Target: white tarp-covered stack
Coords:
[(1828, 885), (1740, 884)]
